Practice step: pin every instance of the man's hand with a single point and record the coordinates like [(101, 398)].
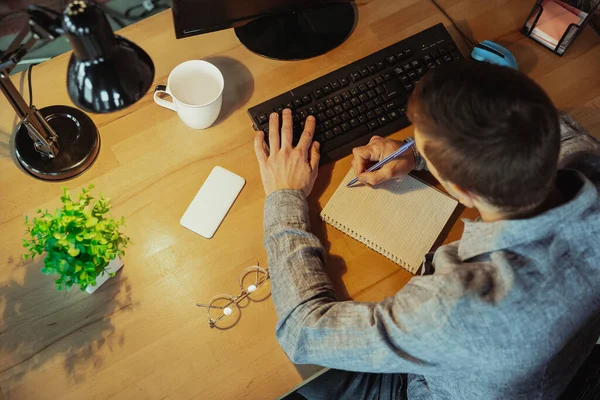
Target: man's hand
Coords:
[(377, 149), (284, 166)]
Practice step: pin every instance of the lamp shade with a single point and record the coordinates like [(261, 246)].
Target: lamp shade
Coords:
[(106, 72)]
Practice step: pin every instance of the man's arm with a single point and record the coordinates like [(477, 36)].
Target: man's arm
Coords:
[(399, 334), (575, 142)]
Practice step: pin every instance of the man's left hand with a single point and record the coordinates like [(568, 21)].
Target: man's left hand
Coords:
[(283, 166)]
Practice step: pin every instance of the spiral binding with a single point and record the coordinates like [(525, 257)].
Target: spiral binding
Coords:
[(354, 235)]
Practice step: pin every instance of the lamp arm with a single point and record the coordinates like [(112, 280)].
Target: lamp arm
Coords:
[(44, 23)]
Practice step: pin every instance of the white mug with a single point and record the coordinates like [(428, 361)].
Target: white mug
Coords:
[(196, 88)]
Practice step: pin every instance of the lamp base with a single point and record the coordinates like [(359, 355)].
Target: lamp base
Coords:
[(78, 144)]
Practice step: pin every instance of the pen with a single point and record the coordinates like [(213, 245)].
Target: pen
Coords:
[(386, 160)]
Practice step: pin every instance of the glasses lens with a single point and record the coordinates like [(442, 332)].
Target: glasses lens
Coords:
[(252, 279), (223, 312)]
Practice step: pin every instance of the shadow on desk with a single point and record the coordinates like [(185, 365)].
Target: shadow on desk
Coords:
[(239, 85), (39, 324)]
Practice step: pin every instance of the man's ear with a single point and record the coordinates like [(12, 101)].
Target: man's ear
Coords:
[(465, 197)]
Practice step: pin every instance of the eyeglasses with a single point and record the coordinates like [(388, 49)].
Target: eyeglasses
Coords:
[(224, 309)]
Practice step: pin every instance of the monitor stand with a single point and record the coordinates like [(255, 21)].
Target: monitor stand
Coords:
[(300, 34)]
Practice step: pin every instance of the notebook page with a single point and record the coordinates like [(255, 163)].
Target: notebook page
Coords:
[(400, 219)]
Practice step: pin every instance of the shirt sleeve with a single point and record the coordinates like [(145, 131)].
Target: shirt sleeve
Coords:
[(399, 334)]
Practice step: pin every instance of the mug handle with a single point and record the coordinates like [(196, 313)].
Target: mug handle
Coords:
[(162, 102)]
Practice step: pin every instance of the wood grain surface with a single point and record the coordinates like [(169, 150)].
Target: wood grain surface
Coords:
[(141, 336)]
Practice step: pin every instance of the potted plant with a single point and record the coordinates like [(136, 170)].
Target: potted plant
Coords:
[(82, 245)]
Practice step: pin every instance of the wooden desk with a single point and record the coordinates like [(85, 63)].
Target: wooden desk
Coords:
[(141, 336)]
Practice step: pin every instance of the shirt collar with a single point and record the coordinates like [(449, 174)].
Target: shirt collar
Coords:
[(485, 237)]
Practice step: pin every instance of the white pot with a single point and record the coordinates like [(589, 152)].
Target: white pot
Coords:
[(112, 266)]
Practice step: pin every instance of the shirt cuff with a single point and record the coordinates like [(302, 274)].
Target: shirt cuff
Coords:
[(286, 207)]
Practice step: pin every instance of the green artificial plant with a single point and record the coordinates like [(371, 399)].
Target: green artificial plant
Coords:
[(79, 239)]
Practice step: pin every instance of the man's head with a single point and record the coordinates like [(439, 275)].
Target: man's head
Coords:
[(487, 132)]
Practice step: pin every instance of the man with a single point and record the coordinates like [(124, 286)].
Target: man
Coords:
[(508, 312)]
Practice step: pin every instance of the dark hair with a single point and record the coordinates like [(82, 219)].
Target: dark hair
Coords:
[(490, 130)]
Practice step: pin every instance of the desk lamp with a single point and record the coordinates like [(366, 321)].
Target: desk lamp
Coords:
[(106, 73)]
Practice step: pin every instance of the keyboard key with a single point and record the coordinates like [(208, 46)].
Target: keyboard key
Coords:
[(383, 120), (380, 65), (355, 76), (306, 99), (353, 122), (379, 111), (354, 91), (412, 74), (298, 102), (363, 98), (442, 51), (311, 111), (355, 101), (393, 89), (362, 119), (317, 94), (398, 71), (362, 109), (408, 52), (372, 68), (336, 85), (344, 82), (379, 80), (427, 58), (370, 105), (327, 89), (415, 64), (289, 105), (390, 105), (263, 119), (370, 84), (329, 103), (364, 72), (337, 120), (431, 64), (400, 55), (387, 76), (345, 116), (435, 53), (391, 60), (338, 109), (378, 101), (438, 61), (303, 114), (337, 99), (371, 94), (279, 109), (330, 113), (371, 115), (409, 87), (393, 115), (362, 87), (456, 55), (328, 134), (328, 124), (346, 95), (379, 90), (373, 125), (404, 78), (345, 127), (347, 105), (337, 131), (353, 113), (321, 107), (406, 67), (447, 58), (321, 117)]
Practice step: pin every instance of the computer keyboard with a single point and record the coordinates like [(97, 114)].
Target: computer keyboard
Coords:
[(362, 99)]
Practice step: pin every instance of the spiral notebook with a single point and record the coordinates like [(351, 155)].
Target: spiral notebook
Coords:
[(400, 219)]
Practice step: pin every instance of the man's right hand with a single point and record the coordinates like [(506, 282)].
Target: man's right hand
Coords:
[(378, 149)]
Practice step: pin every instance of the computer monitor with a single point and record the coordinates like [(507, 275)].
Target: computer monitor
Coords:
[(280, 29)]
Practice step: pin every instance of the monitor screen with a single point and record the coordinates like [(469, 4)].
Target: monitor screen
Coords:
[(193, 17)]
